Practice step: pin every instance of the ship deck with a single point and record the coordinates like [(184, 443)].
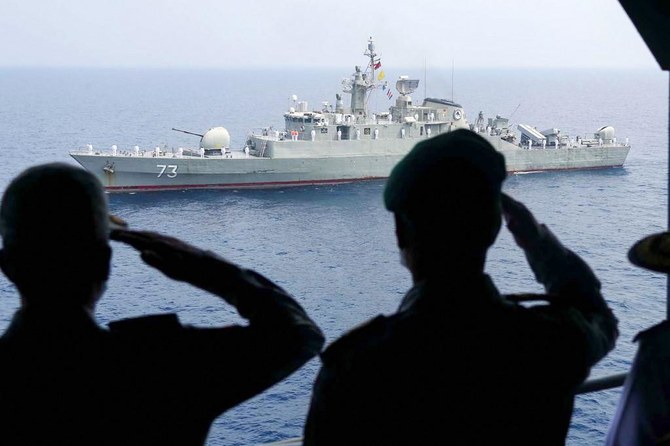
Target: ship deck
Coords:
[(234, 154)]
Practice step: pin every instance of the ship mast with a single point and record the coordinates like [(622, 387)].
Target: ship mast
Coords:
[(361, 83), (370, 52)]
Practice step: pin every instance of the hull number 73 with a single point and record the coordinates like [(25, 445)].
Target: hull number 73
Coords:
[(170, 170)]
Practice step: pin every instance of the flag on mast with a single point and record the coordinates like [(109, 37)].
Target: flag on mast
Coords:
[(381, 75), (377, 64)]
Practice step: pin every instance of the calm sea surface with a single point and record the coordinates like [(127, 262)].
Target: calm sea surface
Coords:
[(333, 247)]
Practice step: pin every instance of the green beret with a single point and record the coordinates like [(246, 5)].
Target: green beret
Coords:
[(652, 252), (407, 181)]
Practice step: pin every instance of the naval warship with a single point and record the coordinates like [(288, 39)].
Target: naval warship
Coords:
[(342, 144)]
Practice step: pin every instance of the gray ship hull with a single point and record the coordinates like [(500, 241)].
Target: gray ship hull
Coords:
[(311, 162)]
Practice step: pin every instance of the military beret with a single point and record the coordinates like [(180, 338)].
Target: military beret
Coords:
[(407, 180), (652, 252)]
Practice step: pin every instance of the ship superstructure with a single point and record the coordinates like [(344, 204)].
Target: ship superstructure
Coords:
[(343, 144)]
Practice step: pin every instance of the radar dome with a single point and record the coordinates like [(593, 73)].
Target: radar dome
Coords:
[(215, 138)]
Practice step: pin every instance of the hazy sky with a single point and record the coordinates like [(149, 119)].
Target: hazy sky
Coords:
[(253, 33)]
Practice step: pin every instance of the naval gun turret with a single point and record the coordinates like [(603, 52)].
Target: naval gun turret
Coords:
[(214, 141), (215, 138)]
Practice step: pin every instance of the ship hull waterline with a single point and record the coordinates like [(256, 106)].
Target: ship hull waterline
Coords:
[(132, 174)]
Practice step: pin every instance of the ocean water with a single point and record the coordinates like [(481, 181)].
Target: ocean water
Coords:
[(333, 247)]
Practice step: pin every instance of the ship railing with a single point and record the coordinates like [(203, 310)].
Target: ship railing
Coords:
[(273, 136), (592, 385), (603, 383), (130, 154)]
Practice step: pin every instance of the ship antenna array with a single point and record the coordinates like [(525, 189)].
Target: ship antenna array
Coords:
[(370, 52), (425, 81), (452, 80)]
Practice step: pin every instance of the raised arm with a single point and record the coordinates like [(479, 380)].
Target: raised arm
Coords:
[(280, 336), (568, 280)]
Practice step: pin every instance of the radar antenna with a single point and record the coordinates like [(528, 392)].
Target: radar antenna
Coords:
[(406, 86)]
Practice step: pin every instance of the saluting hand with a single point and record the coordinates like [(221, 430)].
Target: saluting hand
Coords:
[(520, 222), (173, 257)]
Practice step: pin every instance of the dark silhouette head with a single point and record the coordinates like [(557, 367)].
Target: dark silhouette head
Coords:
[(445, 195), (652, 252), (54, 226)]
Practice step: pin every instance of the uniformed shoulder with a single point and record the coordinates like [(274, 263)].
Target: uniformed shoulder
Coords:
[(155, 323), (660, 329), (359, 339)]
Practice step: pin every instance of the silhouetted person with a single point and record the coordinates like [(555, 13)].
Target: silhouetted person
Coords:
[(458, 363), (642, 416), (151, 381)]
